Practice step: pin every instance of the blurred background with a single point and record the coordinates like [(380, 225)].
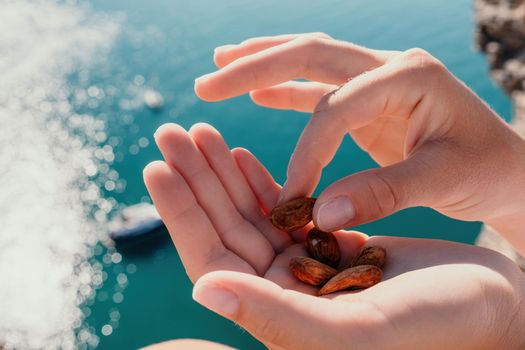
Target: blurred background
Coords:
[(83, 86)]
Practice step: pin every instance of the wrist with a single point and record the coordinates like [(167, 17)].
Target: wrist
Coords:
[(507, 215)]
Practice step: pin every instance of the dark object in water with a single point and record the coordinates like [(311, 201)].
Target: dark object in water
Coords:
[(138, 220)]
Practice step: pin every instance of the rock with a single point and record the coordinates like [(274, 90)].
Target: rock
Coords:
[(500, 34)]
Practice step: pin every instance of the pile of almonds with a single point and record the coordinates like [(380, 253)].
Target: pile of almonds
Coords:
[(321, 268)]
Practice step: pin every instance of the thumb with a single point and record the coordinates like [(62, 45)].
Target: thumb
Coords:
[(277, 317), (376, 193)]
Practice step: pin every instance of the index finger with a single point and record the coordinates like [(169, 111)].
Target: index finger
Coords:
[(198, 243), (395, 88), (312, 58)]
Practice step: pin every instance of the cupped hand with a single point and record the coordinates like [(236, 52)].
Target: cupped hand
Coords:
[(434, 295), (439, 144), (215, 202)]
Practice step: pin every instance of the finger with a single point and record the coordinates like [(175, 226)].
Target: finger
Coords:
[(226, 54), (236, 233), (276, 316), (321, 138), (216, 152), (187, 344), (197, 242), (295, 95), (316, 59), (376, 193), (265, 189), (260, 180), (263, 185), (393, 89)]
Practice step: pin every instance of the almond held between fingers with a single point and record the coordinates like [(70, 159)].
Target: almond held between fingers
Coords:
[(293, 215), (311, 271), (362, 276), (371, 255), (323, 246)]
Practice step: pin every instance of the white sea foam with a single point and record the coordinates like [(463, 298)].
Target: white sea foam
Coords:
[(46, 155)]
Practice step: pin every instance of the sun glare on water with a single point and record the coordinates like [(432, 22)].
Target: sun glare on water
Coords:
[(49, 156)]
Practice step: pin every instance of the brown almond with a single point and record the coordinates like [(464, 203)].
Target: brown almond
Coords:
[(323, 246), (362, 276), (371, 255), (292, 215), (311, 271)]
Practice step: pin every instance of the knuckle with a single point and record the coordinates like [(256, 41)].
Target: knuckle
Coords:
[(417, 54), (327, 100), (323, 104), (307, 47), (419, 59), (385, 195), (309, 42), (321, 35)]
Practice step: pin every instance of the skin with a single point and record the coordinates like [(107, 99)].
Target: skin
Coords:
[(439, 144), (187, 344), (434, 295)]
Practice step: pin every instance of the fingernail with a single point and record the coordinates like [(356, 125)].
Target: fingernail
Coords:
[(282, 194), (215, 298), (155, 134), (335, 213)]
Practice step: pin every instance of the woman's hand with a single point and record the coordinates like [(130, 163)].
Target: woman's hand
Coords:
[(435, 294), (439, 144)]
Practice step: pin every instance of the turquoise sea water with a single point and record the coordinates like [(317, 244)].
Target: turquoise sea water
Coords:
[(165, 45)]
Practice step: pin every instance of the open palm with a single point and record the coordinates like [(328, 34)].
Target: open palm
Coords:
[(434, 294), (214, 203)]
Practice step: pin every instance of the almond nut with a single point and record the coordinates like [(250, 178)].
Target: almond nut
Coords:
[(371, 255), (311, 271), (292, 215), (362, 276), (323, 246)]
